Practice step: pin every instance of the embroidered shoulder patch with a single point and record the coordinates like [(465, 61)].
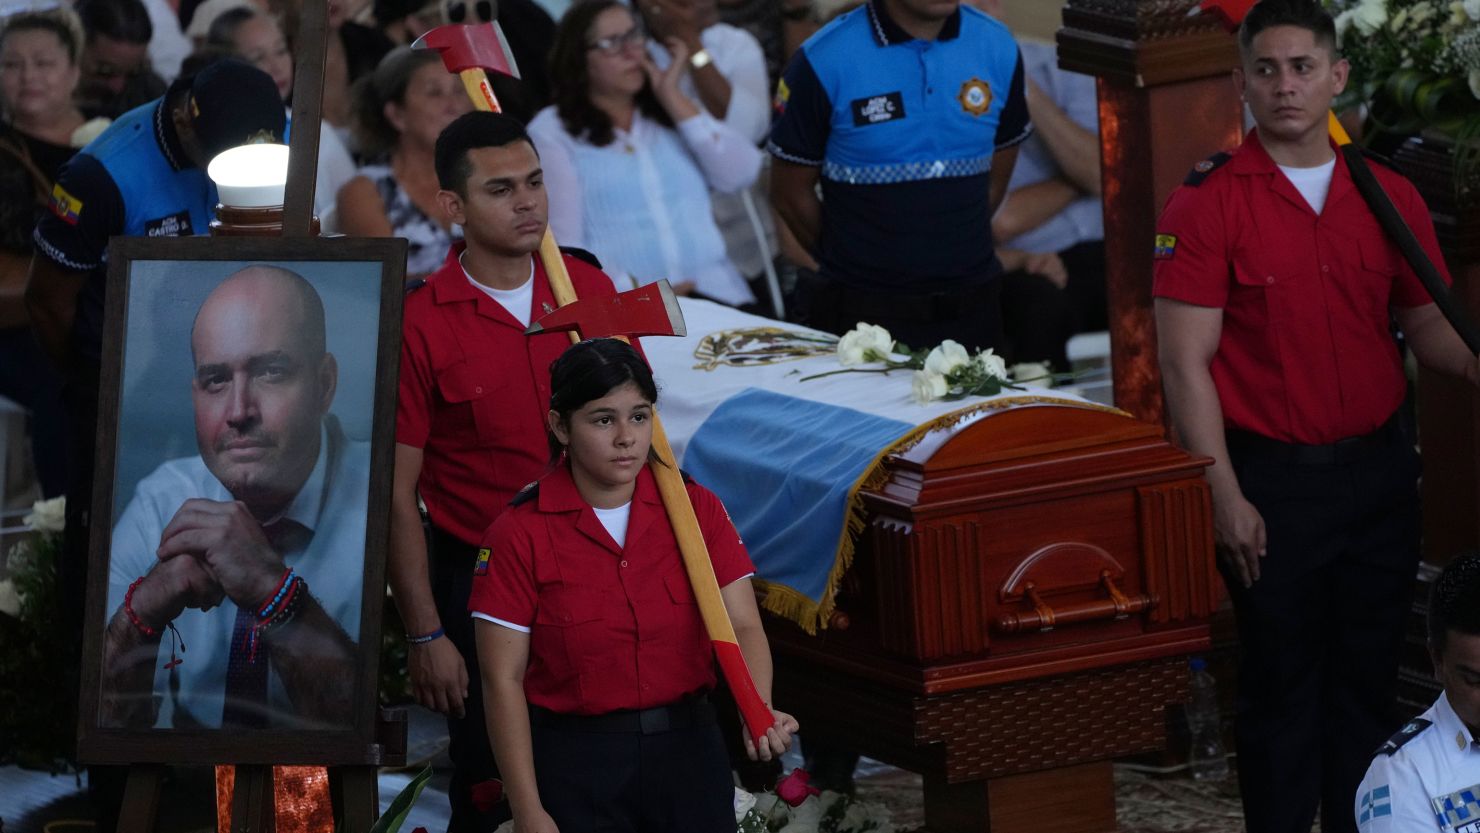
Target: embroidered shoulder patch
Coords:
[(1201, 170), (1411, 730), (1374, 804), (783, 95), (481, 568), (1166, 246), (67, 207)]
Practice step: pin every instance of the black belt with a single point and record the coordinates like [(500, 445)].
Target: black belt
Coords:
[(1350, 450), (688, 713)]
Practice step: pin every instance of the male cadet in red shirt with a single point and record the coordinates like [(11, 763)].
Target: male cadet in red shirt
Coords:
[(470, 419), (1275, 295)]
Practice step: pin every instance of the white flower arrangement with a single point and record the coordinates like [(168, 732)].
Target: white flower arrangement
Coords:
[(947, 371), (1415, 64), (48, 515)]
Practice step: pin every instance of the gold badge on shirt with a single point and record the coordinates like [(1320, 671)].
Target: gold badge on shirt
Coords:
[(975, 97)]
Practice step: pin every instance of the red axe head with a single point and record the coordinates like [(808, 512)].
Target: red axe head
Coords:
[(1230, 13), (650, 310), (466, 47)]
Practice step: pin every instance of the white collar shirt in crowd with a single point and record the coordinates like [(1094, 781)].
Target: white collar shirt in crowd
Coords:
[(641, 204), (1430, 782)]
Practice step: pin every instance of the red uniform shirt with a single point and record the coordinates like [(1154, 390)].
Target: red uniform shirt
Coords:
[(474, 391), (609, 628), (1306, 355)]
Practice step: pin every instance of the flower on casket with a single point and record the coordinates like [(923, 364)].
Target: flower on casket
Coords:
[(947, 358), (864, 343), (926, 387)]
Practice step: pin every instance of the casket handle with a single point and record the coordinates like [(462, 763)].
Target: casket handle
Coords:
[(1044, 617)]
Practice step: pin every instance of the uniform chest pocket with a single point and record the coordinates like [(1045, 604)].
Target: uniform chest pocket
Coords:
[(566, 623), (476, 399), (1380, 266), (1253, 288)]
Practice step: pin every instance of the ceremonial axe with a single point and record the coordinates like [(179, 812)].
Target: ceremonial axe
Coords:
[(471, 51), (1231, 13)]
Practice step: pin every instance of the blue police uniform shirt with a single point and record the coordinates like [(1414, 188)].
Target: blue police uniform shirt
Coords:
[(1426, 778), (904, 131), (135, 181)]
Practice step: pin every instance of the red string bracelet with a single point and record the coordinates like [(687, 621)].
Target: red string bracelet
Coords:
[(128, 607)]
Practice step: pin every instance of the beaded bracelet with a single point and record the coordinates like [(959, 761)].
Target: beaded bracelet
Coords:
[(177, 643), (426, 637), (128, 608), (265, 610), (278, 611)]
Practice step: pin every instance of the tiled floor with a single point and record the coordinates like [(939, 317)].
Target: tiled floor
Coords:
[(1146, 802)]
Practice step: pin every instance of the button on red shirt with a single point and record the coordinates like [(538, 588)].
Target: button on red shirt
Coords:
[(474, 391), (1305, 355), (608, 628)]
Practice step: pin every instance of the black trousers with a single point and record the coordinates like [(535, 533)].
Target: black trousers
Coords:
[(971, 315), (675, 781), (1322, 629), (451, 564)]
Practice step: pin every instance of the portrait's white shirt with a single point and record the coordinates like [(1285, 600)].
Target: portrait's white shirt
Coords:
[(1430, 783), (331, 505)]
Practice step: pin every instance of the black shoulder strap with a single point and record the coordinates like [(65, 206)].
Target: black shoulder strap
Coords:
[(1201, 170), (581, 255), (412, 286), (1374, 156), (1413, 729)]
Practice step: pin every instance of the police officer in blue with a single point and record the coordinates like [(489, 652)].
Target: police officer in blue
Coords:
[(910, 113), (1427, 777), (143, 177)]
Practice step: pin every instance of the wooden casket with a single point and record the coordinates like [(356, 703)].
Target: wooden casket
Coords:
[(1018, 610)]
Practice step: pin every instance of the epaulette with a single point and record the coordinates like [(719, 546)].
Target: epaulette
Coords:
[(412, 286), (1201, 170), (1411, 730), (526, 494), (581, 255)]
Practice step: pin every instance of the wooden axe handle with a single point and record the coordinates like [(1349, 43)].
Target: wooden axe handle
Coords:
[(675, 495)]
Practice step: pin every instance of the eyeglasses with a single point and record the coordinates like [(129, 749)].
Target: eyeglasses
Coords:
[(457, 11), (616, 43)]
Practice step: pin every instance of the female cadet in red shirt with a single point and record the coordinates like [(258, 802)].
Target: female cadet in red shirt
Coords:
[(596, 666)]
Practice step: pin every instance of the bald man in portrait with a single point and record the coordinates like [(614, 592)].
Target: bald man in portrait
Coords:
[(235, 575)]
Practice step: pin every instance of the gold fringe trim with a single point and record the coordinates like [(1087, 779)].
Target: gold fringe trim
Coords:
[(790, 603)]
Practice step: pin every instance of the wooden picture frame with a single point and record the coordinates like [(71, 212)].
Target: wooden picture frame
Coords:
[(269, 393)]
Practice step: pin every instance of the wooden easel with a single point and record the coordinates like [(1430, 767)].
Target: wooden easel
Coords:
[(352, 783)]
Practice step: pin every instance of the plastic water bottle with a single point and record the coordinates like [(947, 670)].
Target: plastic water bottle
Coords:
[(1206, 758)]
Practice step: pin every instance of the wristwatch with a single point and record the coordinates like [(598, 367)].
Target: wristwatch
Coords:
[(700, 59)]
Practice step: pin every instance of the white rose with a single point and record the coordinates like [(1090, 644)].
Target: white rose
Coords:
[(1371, 16), (1032, 371), (743, 802), (10, 600), (946, 358), (926, 387), (48, 515), (1472, 8), (992, 364), (1475, 82), (864, 343), (89, 130)]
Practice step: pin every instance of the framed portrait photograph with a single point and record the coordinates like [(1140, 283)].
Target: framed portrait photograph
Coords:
[(240, 509)]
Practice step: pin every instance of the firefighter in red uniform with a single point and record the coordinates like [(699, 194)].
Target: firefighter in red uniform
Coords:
[(470, 419), (595, 660), (1275, 295)]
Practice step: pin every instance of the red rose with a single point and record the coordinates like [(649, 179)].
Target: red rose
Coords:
[(420, 830), (794, 789), (486, 794)]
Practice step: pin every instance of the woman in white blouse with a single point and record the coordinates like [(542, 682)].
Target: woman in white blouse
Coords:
[(630, 160)]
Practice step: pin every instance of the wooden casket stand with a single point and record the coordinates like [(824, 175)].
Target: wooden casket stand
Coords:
[(1018, 613)]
